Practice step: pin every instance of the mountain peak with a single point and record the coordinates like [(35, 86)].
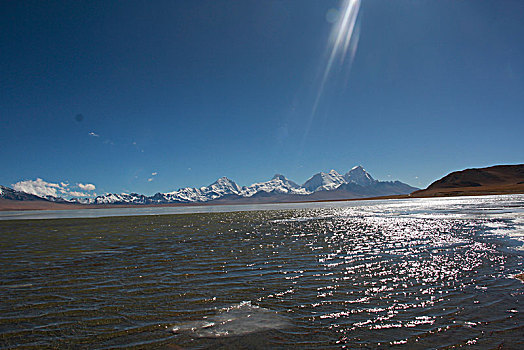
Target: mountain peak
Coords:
[(224, 179), (322, 181), (355, 183), (278, 184), (359, 175)]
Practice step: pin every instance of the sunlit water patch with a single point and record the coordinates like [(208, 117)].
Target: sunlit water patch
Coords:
[(235, 320), (424, 273)]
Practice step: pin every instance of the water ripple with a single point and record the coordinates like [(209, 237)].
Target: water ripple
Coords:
[(422, 273)]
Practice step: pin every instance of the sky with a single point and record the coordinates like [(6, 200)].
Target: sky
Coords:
[(152, 96)]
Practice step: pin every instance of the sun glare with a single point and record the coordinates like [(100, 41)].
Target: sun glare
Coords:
[(343, 38)]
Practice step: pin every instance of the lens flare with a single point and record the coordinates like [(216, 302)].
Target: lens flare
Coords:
[(343, 39), (342, 34)]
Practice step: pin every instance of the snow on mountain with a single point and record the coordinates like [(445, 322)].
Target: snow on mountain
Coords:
[(324, 182), (278, 184), (183, 195), (218, 189), (82, 200), (359, 176), (122, 198), (356, 182)]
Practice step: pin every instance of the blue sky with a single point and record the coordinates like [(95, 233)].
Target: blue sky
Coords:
[(111, 92)]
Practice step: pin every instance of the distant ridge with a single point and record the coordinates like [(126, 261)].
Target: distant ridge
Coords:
[(356, 183), (499, 179), (11, 194)]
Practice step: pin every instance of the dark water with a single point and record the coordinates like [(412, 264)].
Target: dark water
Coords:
[(407, 274)]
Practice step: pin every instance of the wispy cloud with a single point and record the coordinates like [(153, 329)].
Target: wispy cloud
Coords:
[(153, 174), (137, 147), (104, 140), (87, 187)]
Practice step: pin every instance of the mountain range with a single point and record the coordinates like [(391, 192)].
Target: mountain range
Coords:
[(356, 183)]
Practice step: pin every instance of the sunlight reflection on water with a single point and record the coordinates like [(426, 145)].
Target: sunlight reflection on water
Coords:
[(424, 273)]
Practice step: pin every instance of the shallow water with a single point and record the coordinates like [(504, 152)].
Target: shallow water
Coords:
[(430, 273)]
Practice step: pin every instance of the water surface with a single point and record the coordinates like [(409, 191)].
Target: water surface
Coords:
[(407, 273)]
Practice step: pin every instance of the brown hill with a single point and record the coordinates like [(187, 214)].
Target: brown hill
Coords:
[(499, 179)]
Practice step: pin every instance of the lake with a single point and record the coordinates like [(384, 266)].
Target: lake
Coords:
[(421, 273)]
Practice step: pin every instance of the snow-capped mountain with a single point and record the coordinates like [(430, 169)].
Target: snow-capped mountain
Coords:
[(332, 180), (359, 176), (324, 182), (356, 183), (122, 198), (278, 184), (218, 189)]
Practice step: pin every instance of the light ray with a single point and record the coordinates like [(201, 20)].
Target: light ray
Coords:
[(344, 36)]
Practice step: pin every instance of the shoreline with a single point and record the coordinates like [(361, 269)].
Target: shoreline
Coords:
[(13, 205), (42, 205)]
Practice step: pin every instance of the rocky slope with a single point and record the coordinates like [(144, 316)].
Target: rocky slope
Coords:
[(9, 193), (498, 179)]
